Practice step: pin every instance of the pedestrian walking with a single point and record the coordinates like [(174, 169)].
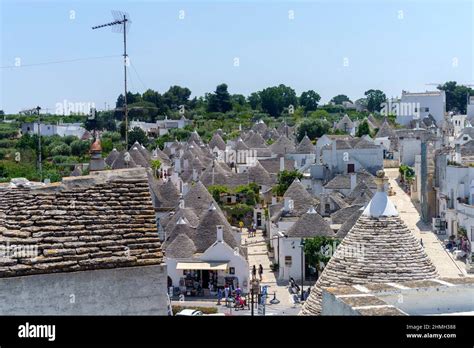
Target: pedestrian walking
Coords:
[(260, 271), (421, 241), (254, 227), (254, 272), (226, 294)]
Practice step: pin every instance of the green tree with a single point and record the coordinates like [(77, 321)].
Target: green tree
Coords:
[(155, 165), (176, 96), (313, 128), (60, 149), (363, 129), (220, 100), (309, 100), (340, 98), (137, 134), (254, 100), (79, 147), (319, 250), (456, 96), (285, 179), (275, 99), (375, 98)]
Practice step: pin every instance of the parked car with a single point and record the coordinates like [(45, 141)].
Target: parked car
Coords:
[(189, 313)]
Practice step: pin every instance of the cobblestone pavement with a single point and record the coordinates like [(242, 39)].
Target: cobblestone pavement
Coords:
[(445, 264)]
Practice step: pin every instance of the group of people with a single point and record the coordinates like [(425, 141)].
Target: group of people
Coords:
[(254, 272), (253, 230)]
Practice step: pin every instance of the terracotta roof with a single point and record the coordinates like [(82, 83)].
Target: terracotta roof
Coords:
[(96, 146), (105, 220)]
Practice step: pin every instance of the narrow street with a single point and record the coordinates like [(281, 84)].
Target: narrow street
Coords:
[(444, 263), (257, 254)]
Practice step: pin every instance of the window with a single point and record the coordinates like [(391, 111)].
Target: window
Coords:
[(350, 168), (427, 109), (231, 270), (464, 138), (288, 260), (229, 199), (327, 207)]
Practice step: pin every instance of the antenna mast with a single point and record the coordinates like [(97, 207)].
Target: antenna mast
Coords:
[(121, 24)]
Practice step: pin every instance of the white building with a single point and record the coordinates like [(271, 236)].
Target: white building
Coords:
[(470, 108), (419, 105), (290, 256), (61, 129)]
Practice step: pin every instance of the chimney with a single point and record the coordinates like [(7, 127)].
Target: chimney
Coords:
[(322, 204), (177, 165), (380, 204), (181, 203), (274, 200), (457, 153), (282, 163), (288, 205), (353, 181), (333, 154), (195, 174), (186, 164), (220, 233), (185, 188)]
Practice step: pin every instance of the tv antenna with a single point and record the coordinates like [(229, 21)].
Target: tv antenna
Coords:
[(121, 24)]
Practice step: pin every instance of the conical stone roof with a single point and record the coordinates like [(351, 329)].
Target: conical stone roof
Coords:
[(378, 249), (218, 142), (282, 146), (305, 146), (310, 225)]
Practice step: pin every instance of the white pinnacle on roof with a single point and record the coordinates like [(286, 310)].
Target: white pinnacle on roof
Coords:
[(380, 204)]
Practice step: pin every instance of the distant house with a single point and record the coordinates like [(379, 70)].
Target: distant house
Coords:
[(421, 104), (61, 129), (346, 125), (160, 127)]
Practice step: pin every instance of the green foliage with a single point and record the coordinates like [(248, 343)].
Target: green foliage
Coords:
[(220, 100), (319, 249), (137, 134), (314, 128), (375, 98), (363, 129), (309, 100), (406, 172), (60, 149), (238, 211), (285, 179), (340, 98), (217, 190), (80, 147), (456, 96), (275, 99)]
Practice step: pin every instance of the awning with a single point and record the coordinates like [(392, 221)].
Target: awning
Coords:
[(215, 266)]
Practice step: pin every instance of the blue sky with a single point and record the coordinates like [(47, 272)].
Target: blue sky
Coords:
[(432, 42)]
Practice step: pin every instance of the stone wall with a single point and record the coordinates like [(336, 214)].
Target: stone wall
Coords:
[(120, 291)]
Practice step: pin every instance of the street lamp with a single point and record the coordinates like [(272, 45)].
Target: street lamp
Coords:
[(302, 268)]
